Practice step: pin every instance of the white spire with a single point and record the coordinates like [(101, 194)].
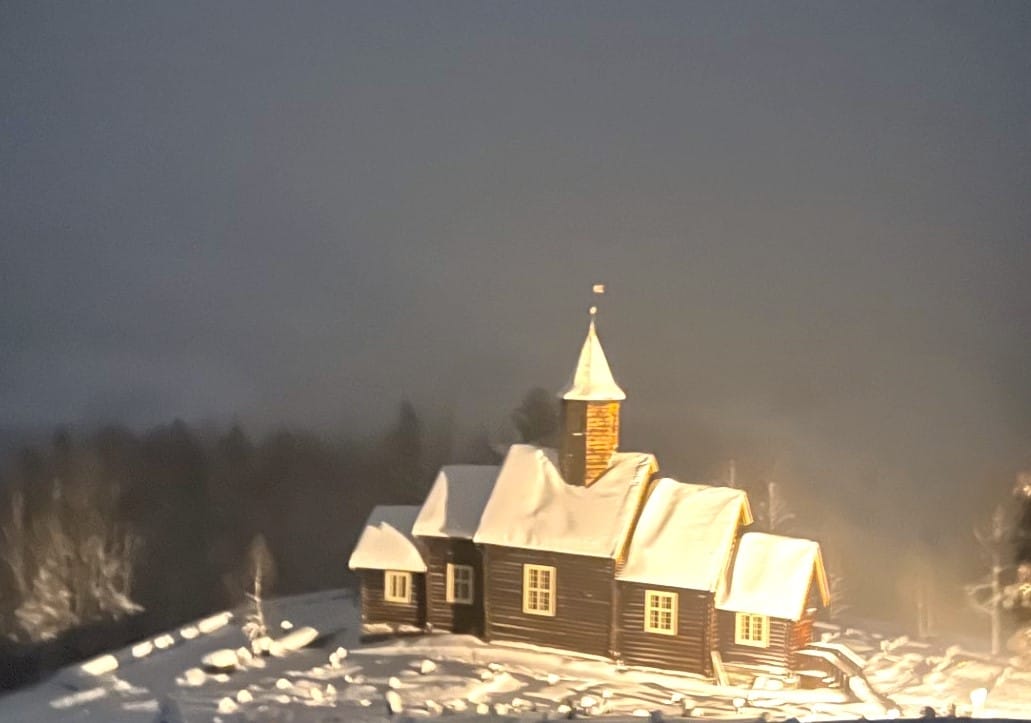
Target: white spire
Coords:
[(592, 379)]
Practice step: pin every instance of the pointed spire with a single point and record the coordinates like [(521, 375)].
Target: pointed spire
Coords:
[(592, 379)]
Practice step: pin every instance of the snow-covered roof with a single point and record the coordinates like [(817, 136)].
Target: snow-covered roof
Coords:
[(533, 508), (685, 535), (592, 379), (772, 576), (456, 501), (387, 543)]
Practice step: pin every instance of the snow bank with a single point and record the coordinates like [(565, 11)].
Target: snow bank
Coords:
[(387, 543), (456, 501), (532, 507)]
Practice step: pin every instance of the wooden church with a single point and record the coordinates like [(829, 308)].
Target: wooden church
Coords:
[(589, 549)]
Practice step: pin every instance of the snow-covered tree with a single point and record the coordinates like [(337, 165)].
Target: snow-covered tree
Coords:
[(69, 560)]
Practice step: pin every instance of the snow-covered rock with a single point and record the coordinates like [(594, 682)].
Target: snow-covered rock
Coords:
[(142, 650), (100, 665), (211, 624), (293, 641), (221, 660), (227, 705), (393, 682), (193, 677), (163, 642), (394, 703), (244, 696)]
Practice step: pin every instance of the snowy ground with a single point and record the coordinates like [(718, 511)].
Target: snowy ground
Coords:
[(460, 677)]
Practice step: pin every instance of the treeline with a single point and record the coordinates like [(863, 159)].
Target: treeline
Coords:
[(99, 526)]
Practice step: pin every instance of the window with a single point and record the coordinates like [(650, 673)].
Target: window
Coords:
[(459, 584), (660, 612), (752, 630), (538, 590), (397, 586)]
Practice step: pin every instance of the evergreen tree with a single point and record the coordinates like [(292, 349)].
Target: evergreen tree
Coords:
[(537, 417)]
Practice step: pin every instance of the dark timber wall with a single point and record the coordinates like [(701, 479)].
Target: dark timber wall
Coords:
[(377, 610), (779, 653), (442, 615), (583, 609), (688, 650)]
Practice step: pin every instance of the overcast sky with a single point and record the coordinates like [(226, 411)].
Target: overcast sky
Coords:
[(814, 220)]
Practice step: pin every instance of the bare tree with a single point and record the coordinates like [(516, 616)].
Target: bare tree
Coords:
[(987, 595), (774, 513), (261, 572)]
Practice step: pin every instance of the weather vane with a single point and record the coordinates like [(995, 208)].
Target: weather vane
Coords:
[(598, 290)]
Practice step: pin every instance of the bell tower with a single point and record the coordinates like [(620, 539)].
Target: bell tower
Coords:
[(590, 413)]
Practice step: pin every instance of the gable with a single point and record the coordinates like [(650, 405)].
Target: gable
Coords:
[(773, 575), (685, 535), (386, 542), (456, 501)]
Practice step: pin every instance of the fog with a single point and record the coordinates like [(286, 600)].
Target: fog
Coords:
[(812, 220)]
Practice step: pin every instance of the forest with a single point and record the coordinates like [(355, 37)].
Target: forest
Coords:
[(112, 534)]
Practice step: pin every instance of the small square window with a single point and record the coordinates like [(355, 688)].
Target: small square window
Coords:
[(460, 584), (660, 612), (538, 590), (753, 630), (397, 586)]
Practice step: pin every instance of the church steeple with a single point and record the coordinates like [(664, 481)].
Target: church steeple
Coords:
[(590, 413), (592, 379)]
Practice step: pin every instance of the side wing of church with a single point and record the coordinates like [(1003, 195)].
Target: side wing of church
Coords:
[(586, 548)]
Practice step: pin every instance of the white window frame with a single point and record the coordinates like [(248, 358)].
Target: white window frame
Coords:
[(532, 593), (392, 581), (752, 630), (457, 576), (655, 602)]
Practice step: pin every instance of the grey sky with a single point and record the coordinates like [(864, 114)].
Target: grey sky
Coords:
[(813, 220)]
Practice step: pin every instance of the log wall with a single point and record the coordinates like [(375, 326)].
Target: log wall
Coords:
[(583, 605), (442, 615), (377, 610), (688, 650)]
